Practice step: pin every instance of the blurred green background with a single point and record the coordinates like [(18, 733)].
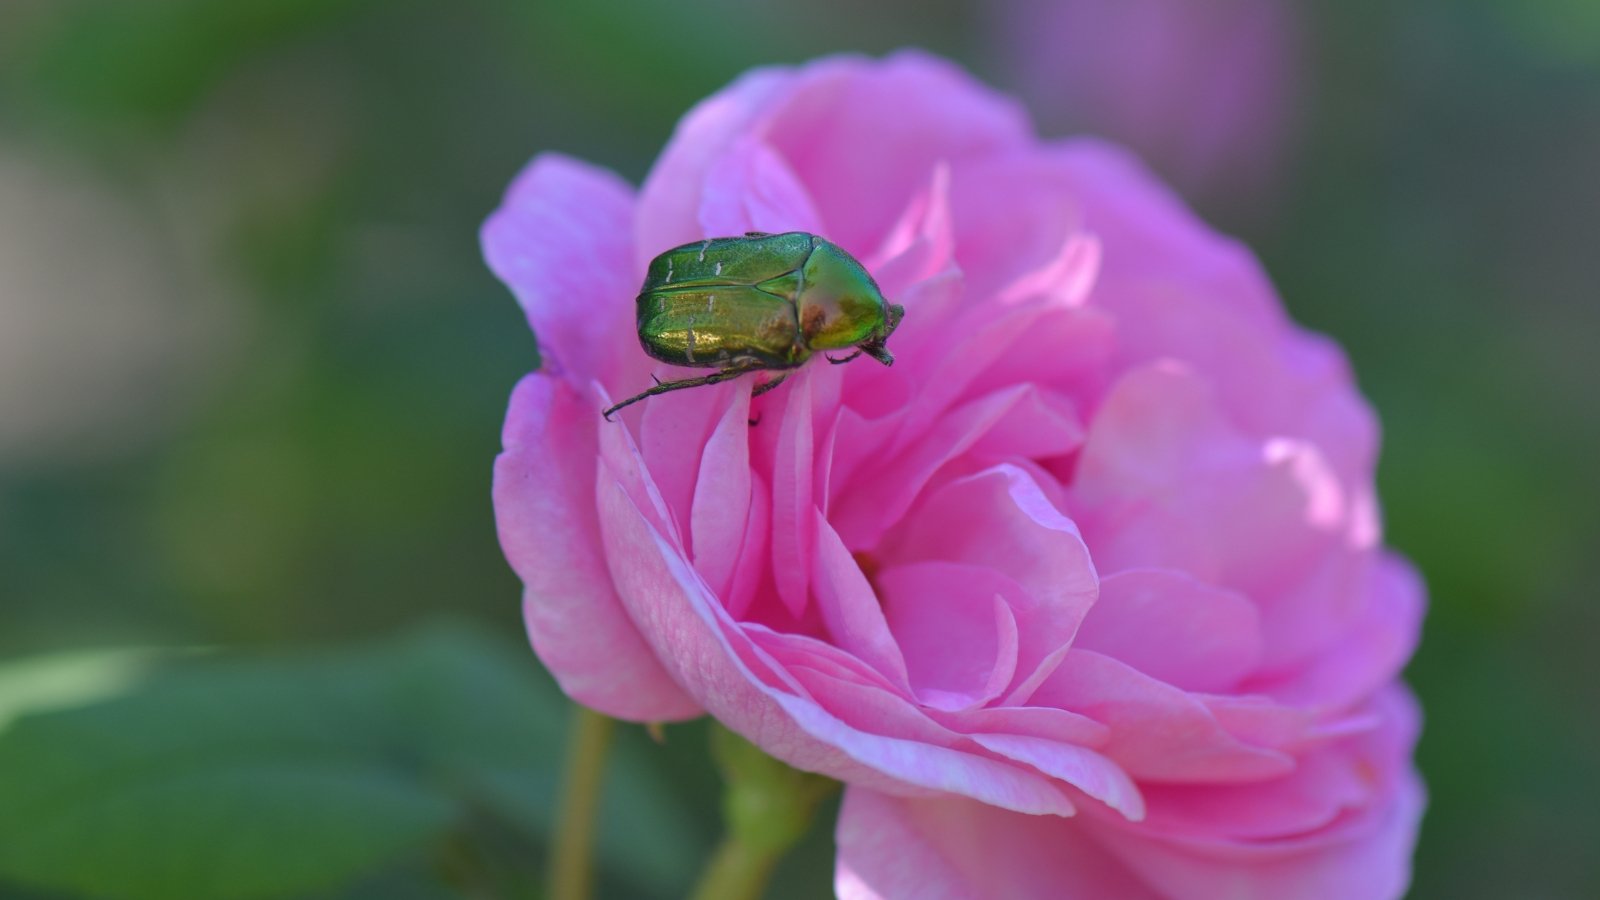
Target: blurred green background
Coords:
[(252, 372)]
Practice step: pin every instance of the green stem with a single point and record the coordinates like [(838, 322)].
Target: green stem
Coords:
[(737, 871), (767, 808), (571, 870)]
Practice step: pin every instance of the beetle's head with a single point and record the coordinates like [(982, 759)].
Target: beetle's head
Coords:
[(896, 313)]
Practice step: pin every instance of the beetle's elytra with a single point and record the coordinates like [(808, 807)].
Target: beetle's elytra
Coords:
[(760, 302)]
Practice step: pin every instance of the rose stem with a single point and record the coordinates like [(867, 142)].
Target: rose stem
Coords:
[(766, 808), (570, 866)]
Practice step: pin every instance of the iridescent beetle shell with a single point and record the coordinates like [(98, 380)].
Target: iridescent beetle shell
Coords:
[(761, 302)]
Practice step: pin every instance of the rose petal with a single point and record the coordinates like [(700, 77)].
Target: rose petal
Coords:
[(751, 188), (1366, 853), (1163, 481), (669, 202), (1366, 655), (851, 609), (675, 610), (793, 503), (544, 507), (876, 496), (1016, 218), (1010, 526), (673, 432), (948, 849), (719, 515), (1158, 733), (956, 632), (561, 241), (1080, 767), (1174, 628), (921, 243), (1040, 721), (838, 104)]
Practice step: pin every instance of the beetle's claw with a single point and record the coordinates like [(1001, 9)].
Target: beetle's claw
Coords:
[(654, 378), (841, 361)]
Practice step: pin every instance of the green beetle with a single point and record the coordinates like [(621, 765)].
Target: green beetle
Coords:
[(761, 302)]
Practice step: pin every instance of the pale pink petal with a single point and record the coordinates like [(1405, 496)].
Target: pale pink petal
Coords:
[(720, 512), (1066, 348), (1269, 379), (850, 609), (1370, 653), (1164, 481), (874, 407), (1041, 721), (750, 565), (896, 848), (751, 188), (797, 650), (1015, 218), (1183, 291), (674, 609), (946, 366), (921, 243), (1007, 524), (794, 506), (561, 240), (1158, 733), (1324, 785), (544, 505), (874, 708), (1041, 425), (861, 174), (1174, 628), (673, 431), (921, 769), (669, 202), (1261, 721), (1080, 767), (1363, 853), (880, 493), (955, 630), (1149, 233)]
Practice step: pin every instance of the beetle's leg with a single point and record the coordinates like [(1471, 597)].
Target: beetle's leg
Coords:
[(840, 362), (663, 387), (879, 352), (763, 388)]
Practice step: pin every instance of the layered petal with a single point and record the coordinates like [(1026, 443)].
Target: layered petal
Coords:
[(561, 240), (550, 532), (895, 848)]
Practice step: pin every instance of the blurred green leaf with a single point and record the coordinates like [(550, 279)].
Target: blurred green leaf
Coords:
[(60, 680), (154, 58), (243, 779)]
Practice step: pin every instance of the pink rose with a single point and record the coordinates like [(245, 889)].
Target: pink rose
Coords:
[(1085, 596)]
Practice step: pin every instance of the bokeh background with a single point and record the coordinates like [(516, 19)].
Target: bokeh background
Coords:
[(252, 372)]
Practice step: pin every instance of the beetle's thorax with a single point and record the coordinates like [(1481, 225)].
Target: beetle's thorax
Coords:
[(838, 305)]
